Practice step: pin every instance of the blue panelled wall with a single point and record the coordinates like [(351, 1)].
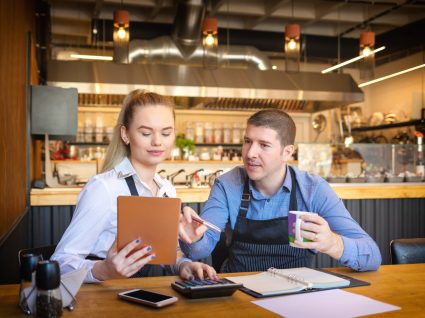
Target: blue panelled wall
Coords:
[(383, 219)]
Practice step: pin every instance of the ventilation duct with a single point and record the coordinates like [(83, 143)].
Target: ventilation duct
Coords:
[(171, 66)]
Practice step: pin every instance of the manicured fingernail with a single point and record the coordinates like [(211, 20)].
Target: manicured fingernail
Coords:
[(149, 248), (137, 241), (153, 256)]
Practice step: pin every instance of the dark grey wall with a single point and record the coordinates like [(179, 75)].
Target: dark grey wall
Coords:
[(384, 220)]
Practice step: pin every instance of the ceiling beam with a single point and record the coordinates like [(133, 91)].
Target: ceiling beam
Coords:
[(159, 4), (215, 6), (366, 22), (268, 11)]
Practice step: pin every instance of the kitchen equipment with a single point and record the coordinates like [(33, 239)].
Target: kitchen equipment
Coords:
[(319, 123)]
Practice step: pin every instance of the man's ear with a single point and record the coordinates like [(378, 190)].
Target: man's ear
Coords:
[(287, 152)]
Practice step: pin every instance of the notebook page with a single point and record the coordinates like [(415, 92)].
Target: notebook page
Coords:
[(317, 279), (267, 284)]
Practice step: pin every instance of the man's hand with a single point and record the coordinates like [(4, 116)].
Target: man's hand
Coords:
[(316, 229), (189, 230), (191, 270)]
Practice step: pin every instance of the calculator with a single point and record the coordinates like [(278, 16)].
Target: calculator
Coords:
[(205, 288)]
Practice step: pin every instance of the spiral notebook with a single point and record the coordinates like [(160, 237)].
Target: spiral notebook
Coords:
[(288, 281)]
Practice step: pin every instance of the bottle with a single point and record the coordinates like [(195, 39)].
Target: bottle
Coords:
[(99, 127), (420, 167), (28, 264), (49, 299)]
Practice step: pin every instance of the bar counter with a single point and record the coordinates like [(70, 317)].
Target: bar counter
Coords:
[(346, 191)]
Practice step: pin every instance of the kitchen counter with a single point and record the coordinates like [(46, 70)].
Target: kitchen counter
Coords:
[(68, 196)]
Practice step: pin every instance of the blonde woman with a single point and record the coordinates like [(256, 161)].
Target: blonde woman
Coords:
[(143, 137)]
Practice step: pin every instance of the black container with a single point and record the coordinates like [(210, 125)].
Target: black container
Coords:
[(49, 298), (47, 275), (28, 265)]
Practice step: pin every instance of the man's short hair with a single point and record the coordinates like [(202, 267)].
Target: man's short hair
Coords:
[(277, 120)]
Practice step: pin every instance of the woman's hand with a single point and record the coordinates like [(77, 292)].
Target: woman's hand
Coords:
[(121, 264), (190, 231), (191, 270)]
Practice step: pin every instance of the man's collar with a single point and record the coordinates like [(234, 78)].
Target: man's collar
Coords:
[(286, 186)]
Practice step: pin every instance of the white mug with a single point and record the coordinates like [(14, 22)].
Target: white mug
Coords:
[(294, 218)]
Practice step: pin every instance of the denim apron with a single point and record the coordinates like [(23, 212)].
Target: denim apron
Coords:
[(257, 245)]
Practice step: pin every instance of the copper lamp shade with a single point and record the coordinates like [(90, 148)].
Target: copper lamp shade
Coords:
[(210, 25), (121, 17)]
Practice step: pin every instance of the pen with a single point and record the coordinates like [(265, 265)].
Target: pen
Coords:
[(207, 224)]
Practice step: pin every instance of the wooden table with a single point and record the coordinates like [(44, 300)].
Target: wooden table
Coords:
[(399, 285)]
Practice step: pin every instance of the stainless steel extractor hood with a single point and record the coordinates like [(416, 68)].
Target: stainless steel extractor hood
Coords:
[(304, 91)]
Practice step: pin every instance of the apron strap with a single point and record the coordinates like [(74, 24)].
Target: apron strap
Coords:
[(245, 199), (132, 186), (293, 199), (246, 196)]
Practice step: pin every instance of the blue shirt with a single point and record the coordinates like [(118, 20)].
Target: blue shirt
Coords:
[(313, 194)]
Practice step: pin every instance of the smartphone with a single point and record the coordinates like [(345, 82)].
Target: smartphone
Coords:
[(148, 298)]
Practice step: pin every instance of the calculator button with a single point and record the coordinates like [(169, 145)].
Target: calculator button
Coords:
[(183, 284)]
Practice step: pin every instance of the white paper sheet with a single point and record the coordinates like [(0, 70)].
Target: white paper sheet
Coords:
[(333, 303)]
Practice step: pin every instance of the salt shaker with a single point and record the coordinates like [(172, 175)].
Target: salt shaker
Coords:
[(49, 298), (28, 264)]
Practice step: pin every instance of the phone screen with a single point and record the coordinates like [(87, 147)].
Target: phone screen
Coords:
[(148, 296)]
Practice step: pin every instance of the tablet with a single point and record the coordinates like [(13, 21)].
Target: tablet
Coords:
[(155, 220)]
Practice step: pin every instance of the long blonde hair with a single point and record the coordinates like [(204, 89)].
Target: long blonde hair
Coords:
[(117, 149)]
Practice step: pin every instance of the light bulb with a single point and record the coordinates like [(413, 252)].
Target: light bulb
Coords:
[(209, 40), (292, 45), (366, 51), (121, 33)]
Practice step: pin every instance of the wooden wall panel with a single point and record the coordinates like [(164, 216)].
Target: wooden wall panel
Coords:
[(17, 18)]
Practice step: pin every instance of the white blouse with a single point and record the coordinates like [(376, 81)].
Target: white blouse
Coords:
[(93, 226)]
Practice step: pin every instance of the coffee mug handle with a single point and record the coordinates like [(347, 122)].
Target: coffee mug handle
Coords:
[(298, 236)]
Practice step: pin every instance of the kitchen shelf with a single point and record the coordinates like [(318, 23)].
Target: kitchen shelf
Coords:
[(79, 143), (415, 122), (216, 145)]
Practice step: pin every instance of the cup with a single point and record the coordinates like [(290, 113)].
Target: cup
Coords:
[(294, 226)]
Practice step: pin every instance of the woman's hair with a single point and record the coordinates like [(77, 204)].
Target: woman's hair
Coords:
[(117, 149), (277, 120)]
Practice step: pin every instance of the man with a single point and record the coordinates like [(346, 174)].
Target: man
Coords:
[(254, 200)]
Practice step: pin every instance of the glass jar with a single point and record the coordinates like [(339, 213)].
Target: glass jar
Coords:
[(236, 133), (208, 133), (49, 299), (190, 132), (199, 132), (217, 133), (227, 133)]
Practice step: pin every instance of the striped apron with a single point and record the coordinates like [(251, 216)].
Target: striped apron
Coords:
[(257, 245), (148, 269)]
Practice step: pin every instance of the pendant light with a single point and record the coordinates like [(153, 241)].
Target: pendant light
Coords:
[(121, 35), (210, 42), (367, 49)]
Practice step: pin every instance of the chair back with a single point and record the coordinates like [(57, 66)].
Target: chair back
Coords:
[(407, 251), (44, 251)]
